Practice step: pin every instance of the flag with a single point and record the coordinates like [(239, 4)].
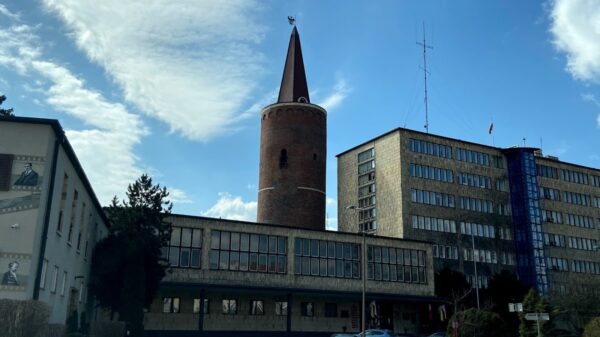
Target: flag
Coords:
[(442, 310), (430, 313), (491, 128)]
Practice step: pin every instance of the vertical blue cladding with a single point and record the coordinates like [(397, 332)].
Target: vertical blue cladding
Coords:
[(526, 214)]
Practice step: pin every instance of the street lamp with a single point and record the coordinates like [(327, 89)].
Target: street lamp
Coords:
[(363, 230), (475, 267)]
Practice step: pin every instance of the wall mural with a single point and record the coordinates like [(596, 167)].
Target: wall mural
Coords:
[(21, 180)]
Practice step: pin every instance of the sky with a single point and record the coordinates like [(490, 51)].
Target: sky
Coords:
[(175, 88)]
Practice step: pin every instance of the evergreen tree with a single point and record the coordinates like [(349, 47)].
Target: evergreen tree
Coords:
[(476, 323), (505, 288), (5, 112), (127, 266), (533, 303)]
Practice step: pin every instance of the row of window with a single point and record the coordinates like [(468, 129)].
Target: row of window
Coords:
[(555, 263), (547, 171), (433, 224), (185, 248), (248, 252), (587, 267), (549, 193), (64, 283), (580, 221), (430, 172), (474, 204), (432, 198), (228, 306), (445, 252), (432, 149), (507, 259), (366, 202), (574, 177), (473, 180), (577, 198), (326, 258), (482, 281), (485, 231), (570, 242), (473, 157), (480, 255)]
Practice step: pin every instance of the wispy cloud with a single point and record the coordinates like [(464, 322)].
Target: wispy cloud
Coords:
[(592, 99), (576, 32), (233, 208), (4, 11), (105, 147), (337, 95), (190, 64), (178, 196)]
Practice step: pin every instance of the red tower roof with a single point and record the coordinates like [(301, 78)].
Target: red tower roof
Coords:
[(293, 84)]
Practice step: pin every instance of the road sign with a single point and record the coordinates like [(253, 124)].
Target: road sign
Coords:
[(515, 307), (537, 316)]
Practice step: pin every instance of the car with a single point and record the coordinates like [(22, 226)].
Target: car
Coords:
[(405, 334), (342, 334), (439, 334), (377, 332)]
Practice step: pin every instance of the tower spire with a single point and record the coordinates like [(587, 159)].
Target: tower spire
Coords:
[(293, 84)]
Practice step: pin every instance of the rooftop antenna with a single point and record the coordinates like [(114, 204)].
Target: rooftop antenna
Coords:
[(524, 144), (425, 72)]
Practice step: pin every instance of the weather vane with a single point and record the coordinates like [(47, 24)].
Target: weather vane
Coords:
[(291, 20)]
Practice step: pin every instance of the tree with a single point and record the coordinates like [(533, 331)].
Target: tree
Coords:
[(476, 323), (505, 288), (592, 329), (5, 112), (533, 303), (138, 232), (452, 285), (580, 305)]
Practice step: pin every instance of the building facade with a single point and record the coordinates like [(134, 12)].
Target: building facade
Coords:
[(50, 218), (231, 277), (476, 202)]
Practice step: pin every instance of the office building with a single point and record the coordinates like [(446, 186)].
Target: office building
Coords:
[(504, 208)]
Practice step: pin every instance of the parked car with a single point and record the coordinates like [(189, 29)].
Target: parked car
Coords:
[(342, 334), (377, 332), (439, 334), (405, 334)]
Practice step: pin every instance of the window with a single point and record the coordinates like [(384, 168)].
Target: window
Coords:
[(196, 308), (248, 252), (331, 310), (43, 276), (72, 222), (171, 305), (432, 198), (433, 149), (430, 172), (326, 258), (368, 154), (365, 167), (185, 248), (473, 157), (54, 279), (63, 201), (281, 308), (283, 159), (433, 224), (257, 307), (63, 284), (229, 307), (408, 265), (307, 309)]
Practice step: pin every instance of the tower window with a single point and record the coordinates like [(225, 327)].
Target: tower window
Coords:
[(283, 159), (314, 156)]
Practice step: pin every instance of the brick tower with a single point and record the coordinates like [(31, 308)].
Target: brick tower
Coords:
[(293, 149)]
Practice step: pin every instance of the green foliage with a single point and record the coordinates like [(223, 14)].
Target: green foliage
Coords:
[(452, 285), (592, 329), (477, 323), (23, 318), (505, 288), (138, 232), (534, 303), (5, 112)]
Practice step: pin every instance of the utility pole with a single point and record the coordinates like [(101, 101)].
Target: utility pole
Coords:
[(425, 72), (475, 266)]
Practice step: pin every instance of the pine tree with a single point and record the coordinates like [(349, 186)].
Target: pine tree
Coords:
[(5, 112), (138, 232)]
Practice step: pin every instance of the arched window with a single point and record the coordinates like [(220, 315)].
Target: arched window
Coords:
[(283, 159)]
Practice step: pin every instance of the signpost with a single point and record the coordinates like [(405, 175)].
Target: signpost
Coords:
[(515, 307), (537, 316)]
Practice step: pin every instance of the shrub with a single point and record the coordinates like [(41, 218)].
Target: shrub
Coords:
[(107, 329), (23, 318), (592, 329), (477, 323)]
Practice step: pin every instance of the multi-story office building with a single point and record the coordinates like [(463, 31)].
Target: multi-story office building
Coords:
[(50, 218), (477, 202)]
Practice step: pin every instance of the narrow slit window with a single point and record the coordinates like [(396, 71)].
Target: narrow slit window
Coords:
[(283, 159)]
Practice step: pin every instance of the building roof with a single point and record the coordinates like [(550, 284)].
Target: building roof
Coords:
[(508, 149), (293, 83), (60, 135)]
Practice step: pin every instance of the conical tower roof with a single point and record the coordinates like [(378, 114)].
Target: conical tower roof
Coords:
[(293, 84)]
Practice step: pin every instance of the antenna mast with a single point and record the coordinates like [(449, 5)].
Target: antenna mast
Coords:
[(425, 72)]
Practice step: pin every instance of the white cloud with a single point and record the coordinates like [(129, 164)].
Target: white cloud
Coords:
[(331, 212), (233, 208), (337, 96), (4, 11), (105, 148), (576, 31), (178, 196), (191, 64)]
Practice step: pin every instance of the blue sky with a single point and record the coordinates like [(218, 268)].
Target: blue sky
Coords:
[(174, 88)]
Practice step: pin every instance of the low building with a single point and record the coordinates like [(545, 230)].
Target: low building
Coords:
[(228, 276), (50, 218)]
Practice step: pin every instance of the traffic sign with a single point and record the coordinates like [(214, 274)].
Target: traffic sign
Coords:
[(537, 316)]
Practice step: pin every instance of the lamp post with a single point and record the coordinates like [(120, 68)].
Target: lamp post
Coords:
[(475, 267), (364, 271)]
